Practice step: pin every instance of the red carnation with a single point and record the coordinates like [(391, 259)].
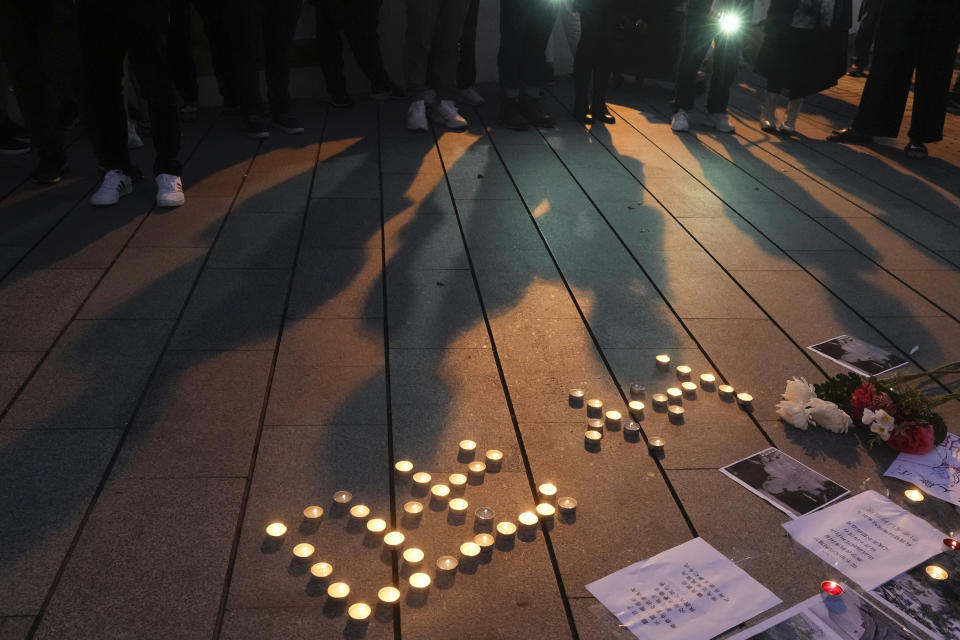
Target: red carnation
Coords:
[(866, 396), (912, 437)]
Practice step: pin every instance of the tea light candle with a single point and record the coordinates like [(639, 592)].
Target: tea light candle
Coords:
[(689, 389), (342, 497), (631, 431), (360, 511), (592, 438), (595, 424), (663, 360), (831, 588), (470, 549), (659, 399), (458, 506), (506, 529), (313, 512), (707, 380), (613, 419), (321, 569), (683, 372), (636, 409), (388, 595), (744, 399), (413, 555), (594, 408), (440, 491), (676, 414), (419, 581), (576, 398), (467, 447), (656, 444), (953, 545), (494, 458), (725, 390), (422, 478), (412, 508), (447, 563), (276, 529), (935, 572), (638, 391), (547, 492), (546, 510), (338, 590), (457, 480), (674, 394), (393, 540), (914, 495), (359, 611), (303, 550), (376, 525), (567, 504), (484, 541), (476, 468), (403, 467), (528, 518)]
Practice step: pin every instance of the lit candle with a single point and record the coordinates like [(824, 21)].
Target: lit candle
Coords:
[(663, 360), (935, 572), (744, 399), (440, 491), (412, 508), (419, 581), (457, 481), (313, 512), (342, 497), (831, 588), (494, 458), (360, 511), (470, 549), (676, 414), (388, 595), (321, 569), (914, 495), (725, 390), (547, 492), (359, 611), (676, 395), (595, 424), (689, 389), (484, 515), (631, 431), (546, 510), (447, 563), (376, 525), (636, 409), (413, 555), (338, 590), (656, 444), (953, 545), (484, 541), (403, 467), (659, 399), (393, 540), (594, 408), (707, 380), (276, 529), (467, 447), (422, 478), (459, 506), (528, 518), (683, 372), (506, 529), (638, 391), (303, 550), (592, 438), (576, 398), (567, 504), (476, 468), (613, 419)]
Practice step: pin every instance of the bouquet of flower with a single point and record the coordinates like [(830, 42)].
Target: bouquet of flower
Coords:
[(896, 413)]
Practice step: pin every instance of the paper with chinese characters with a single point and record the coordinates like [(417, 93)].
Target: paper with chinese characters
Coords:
[(936, 473), (867, 537), (690, 592)]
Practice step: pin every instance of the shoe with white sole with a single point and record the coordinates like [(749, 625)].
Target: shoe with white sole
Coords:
[(721, 122), (134, 141), (169, 190), (680, 122), (470, 97), (417, 116), (446, 114), (115, 185)]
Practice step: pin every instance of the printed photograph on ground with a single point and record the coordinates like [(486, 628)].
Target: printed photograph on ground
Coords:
[(859, 356), (932, 603)]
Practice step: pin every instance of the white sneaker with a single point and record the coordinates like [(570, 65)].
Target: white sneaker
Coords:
[(446, 113), (134, 141), (169, 190), (721, 122), (417, 116), (115, 185), (679, 122), (471, 97)]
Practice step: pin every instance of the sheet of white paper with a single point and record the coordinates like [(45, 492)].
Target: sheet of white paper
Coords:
[(690, 592), (936, 473), (867, 537), (848, 616)]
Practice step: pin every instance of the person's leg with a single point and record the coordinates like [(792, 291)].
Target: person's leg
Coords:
[(446, 37), (540, 20), (217, 26), (467, 64), (870, 12), (726, 59), (512, 14), (941, 29), (279, 23), (696, 42), (244, 23), (180, 52), (330, 20), (421, 23), (584, 61), (361, 22), (570, 20)]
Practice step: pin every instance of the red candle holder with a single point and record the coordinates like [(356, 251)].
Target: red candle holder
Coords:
[(831, 587), (953, 545)]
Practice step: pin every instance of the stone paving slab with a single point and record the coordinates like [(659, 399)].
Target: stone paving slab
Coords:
[(195, 224), (257, 241), (15, 368), (35, 306), (15, 627)]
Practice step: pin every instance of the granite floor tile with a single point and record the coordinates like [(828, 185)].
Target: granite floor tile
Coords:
[(15, 627), (434, 308), (342, 223), (307, 623), (35, 306), (885, 246), (15, 366), (257, 241), (195, 224), (337, 283), (736, 245)]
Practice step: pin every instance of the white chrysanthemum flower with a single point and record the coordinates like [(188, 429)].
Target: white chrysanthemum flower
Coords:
[(828, 415), (880, 422), (799, 390), (794, 413)]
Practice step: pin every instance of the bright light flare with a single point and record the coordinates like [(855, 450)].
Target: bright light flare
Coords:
[(730, 23)]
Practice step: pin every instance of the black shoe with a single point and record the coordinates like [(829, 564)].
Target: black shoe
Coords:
[(856, 71), (534, 113), (600, 114), (510, 114), (256, 127), (50, 170), (580, 113), (288, 123), (387, 89), (11, 129), (189, 112), (849, 135), (341, 100), (915, 150), (10, 146), (953, 105), (68, 114)]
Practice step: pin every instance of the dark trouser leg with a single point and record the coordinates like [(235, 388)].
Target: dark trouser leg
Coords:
[(217, 26), (21, 24), (895, 56), (443, 52), (509, 56), (467, 65), (361, 24), (103, 41), (417, 43), (541, 17), (180, 51), (585, 59), (279, 22), (726, 56), (941, 26), (244, 23), (696, 42), (866, 34), (330, 20)]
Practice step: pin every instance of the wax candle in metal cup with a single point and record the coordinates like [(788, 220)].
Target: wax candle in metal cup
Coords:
[(914, 495), (952, 544), (313, 512), (494, 458), (936, 572), (656, 445), (528, 519), (403, 468), (591, 439), (576, 398), (422, 479), (419, 581), (636, 409), (663, 361), (546, 510), (676, 414), (439, 492), (660, 400), (707, 381), (725, 391), (376, 525), (484, 541), (613, 420), (594, 408), (567, 504), (447, 564), (683, 372), (413, 508), (276, 530), (360, 511), (338, 591), (745, 400), (631, 431), (359, 612), (469, 549), (413, 556), (342, 498), (638, 391), (303, 550), (675, 395), (595, 424), (547, 492), (506, 529), (389, 595), (458, 483), (458, 507), (321, 570), (467, 447), (476, 468), (393, 540), (831, 587), (689, 390)]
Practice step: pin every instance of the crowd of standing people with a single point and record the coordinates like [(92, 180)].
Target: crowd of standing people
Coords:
[(96, 61)]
